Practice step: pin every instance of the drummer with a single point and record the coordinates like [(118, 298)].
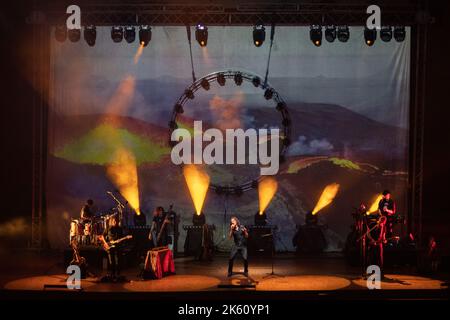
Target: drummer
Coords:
[(87, 215), (87, 211)]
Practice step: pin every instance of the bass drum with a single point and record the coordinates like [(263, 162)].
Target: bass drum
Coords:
[(76, 230)]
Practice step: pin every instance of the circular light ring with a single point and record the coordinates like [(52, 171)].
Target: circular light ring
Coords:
[(189, 94)]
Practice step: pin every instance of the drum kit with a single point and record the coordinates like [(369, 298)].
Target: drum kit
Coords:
[(87, 231)]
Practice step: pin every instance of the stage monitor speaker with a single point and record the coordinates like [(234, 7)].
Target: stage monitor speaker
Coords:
[(310, 239), (193, 243)]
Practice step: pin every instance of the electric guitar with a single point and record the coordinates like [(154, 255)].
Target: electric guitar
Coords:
[(112, 244)]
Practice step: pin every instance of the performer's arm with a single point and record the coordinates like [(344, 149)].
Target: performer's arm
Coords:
[(245, 232), (230, 233)]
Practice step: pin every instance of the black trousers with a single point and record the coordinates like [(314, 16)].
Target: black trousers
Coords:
[(114, 262), (242, 250)]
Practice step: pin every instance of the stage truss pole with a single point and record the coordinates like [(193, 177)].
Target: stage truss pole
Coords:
[(40, 81), (417, 128)]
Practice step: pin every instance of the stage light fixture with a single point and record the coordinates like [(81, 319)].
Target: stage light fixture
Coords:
[(370, 35), (399, 34), (315, 34), (268, 94), (330, 33), (221, 79), (129, 34), (179, 108), (238, 78), (201, 35), (189, 93), (116, 34), (90, 34), (145, 35), (74, 35), (343, 33), (256, 81), (205, 84), (259, 35), (386, 34), (61, 33)]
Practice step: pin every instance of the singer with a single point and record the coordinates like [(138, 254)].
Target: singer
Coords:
[(239, 234)]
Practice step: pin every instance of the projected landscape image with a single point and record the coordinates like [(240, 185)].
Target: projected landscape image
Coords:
[(108, 127)]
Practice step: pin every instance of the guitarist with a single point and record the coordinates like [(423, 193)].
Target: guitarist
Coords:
[(114, 233), (157, 230)]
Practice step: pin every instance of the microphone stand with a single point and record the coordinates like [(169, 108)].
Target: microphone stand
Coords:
[(272, 273), (120, 206)]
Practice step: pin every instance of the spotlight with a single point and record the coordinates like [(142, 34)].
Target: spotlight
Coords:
[(343, 33), (178, 108), (74, 35), (116, 34), (221, 79), (201, 35), (399, 34), (238, 78), (130, 34), (330, 33), (256, 81), (61, 33), (145, 35), (90, 34), (268, 94), (189, 93), (315, 34), (205, 84), (259, 35), (370, 35), (386, 34)]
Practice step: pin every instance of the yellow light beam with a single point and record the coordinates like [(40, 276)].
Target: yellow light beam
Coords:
[(267, 188), (198, 182), (138, 53), (326, 197), (374, 207), (122, 171)]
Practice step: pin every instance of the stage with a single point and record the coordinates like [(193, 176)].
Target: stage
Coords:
[(322, 276)]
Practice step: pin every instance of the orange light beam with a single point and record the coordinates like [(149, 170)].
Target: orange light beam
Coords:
[(122, 171), (267, 188), (198, 182), (374, 207), (327, 196)]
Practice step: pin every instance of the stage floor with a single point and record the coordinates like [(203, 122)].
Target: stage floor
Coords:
[(314, 275)]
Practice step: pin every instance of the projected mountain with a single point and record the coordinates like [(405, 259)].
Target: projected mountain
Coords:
[(95, 139)]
